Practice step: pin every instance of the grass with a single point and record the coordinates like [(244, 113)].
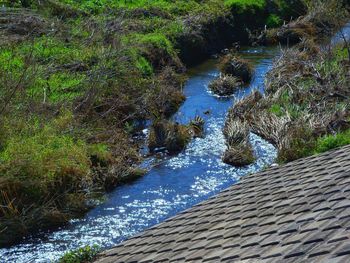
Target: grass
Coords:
[(329, 142), (244, 5)]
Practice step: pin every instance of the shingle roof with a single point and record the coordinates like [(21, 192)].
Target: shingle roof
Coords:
[(298, 212)]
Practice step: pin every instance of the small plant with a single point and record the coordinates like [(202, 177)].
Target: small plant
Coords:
[(81, 255), (333, 141), (273, 21), (225, 85)]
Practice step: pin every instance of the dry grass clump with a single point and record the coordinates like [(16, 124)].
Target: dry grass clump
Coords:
[(225, 85), (239, 149), (173, 137), (243, 106), (237, 67)]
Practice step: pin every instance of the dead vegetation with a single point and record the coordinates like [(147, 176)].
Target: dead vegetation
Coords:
[(239, 150), (237, 67), (173, 137), (322, 18), (19, 25), (225, 85)]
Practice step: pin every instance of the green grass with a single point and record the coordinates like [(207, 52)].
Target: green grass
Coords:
[(41, 151), (329, 142), (244, 5), (58, 87), (273, 20)]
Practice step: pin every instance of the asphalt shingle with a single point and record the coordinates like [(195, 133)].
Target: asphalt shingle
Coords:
[(298, 212)]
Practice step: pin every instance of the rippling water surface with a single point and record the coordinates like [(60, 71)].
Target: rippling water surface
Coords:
[(172, 184)]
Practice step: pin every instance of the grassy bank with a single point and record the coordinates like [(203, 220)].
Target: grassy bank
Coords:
[(305, 110), (75, 79)]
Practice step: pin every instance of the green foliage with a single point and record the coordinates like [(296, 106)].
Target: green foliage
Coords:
[(329, 142), (152, 40), (41, 151), (144, 66), (81, 255), (277, 110), (10, 60), (243, 5), (273, 20), (57, 87), (50, 49), (97, 6)]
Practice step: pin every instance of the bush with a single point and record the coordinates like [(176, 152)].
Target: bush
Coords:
[(329, 142), (81, 255)]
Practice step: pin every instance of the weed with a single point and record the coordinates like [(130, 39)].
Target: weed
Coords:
[(81, 255)]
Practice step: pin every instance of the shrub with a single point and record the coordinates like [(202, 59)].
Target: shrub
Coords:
[(81, 255), (332, 141)]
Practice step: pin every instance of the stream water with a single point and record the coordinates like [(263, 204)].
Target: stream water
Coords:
[(173, 183)]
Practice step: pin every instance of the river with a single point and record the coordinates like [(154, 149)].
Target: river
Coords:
[(173, 183)]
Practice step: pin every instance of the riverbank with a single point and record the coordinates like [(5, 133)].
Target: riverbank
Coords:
[(305, 109), (77, 77)]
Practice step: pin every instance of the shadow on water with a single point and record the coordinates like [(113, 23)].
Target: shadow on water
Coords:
[(173, 183)]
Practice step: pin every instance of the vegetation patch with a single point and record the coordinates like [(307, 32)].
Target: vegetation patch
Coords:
[(239, 150), (173, 137), (236, 67), (225, 85), (305, 110), (81, 255)]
